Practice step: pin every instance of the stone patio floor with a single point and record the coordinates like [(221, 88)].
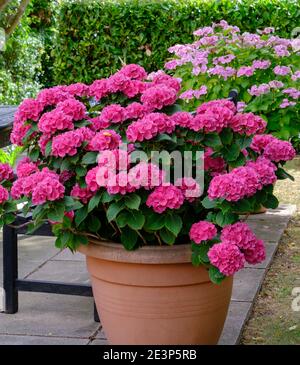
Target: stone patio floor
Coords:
[(53, 319)]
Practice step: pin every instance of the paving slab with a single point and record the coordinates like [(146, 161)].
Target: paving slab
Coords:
[(67, 271), (246, 284), (51, 315), (67, 255), (237, 315), (40, 340)]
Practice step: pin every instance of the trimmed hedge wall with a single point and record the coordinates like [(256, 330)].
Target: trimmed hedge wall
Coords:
[(95, 36)]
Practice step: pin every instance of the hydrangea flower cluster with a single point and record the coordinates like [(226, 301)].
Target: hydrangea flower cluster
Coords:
[(261, 66)]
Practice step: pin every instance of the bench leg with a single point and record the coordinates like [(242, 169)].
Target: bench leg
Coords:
[(96, 316), (10, 269)]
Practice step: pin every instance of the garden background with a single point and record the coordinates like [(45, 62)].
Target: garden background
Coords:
[(79, 41)]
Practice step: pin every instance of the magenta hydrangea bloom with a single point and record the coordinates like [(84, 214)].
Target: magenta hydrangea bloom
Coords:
[(260, 141), (190, 188), (255, 254), (77, 89), (113, 113), (52, 96), (213, 164), (19, 130), (203, 108), (247, 123), (202, 231), (169, 81), (26, 167), (182, 119), (134, 71), (49, 189), (91, 179), (105, 140), (265, 170), (135, 110), (6, 172), (4, 195), (73, 108), (249, 178), (158, 96), (114, 159), (279, 151), (146, 175), (164, 197), (66, 144), (83, 194), (149, 126), (214, 119), (119, 184), (238, 234), (30, 109), (227, 258), (54, 121)]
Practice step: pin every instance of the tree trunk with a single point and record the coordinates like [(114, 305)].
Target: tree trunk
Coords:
[(14, 20)]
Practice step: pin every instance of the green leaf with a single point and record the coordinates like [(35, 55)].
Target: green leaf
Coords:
[(93, 224), (243, 141), (72, 204), (225, 219), (48, 148), (242, 206), (231, 153), (80, 171), (173, 223), (282, 174), (209, 204), (167, 236), (34, 155), (113, 210), (215, 275), (135, 220), (154, 222), (166, 138), (226, 136), (107, 198), (94, 202), (212, 140), (129, 238), (80, 215), (90, 158), (66, 238), (271, 202), (65, 165), (132, 201), (122, 219), (240, 161), (57, 212), (9, 218)]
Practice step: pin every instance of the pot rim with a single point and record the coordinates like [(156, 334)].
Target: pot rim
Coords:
[(145, 255)]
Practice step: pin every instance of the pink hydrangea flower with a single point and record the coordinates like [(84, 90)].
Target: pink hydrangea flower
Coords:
[(255, 254), (245, 71), (146, 175), (119, 184), (114, 159), (29, 109), (135, 110), (73, 108), (259, 90), (6, 172), (247, 123), (149, 126), (182, 119), (52, 96), (227, 258), (113, 113), (19, 131), (158, 96), (190, 188), (91, 180), (275, 84), (77, 89), (238, 234), (65, 176), (224, 72), (286, 103), (105, 140), (214, 119), (54, 121), (49, 189), (99, 89), (98, 123), (214, 164), (202, 231), (26, 167), (250, 176), (296, 76), (166, 80), (4, 195), (164, 197), (66, 144), (260, 141), (265, 170), (203, 108), (261, 64), (83, 194), (134, 71), (279, 151)]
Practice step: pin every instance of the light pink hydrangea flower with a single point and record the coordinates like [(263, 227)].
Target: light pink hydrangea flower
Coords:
[(165, 197), (202, 231), (282, 70), (286, 103)]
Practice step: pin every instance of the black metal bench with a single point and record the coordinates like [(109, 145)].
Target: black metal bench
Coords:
[(6, 122)]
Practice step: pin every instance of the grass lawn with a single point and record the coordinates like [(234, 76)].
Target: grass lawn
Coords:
[(273, 321)]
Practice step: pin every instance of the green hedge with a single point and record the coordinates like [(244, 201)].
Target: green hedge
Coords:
[(94, 37)]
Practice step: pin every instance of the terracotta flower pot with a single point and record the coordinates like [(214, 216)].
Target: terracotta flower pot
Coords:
[(155, 296)]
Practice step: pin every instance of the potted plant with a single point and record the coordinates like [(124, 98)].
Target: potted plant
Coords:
[(162, 239)]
